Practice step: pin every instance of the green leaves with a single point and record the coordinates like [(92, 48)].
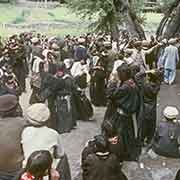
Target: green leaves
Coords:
[(103, 12), (106, 14)]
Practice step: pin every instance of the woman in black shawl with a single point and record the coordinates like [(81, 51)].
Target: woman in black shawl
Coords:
[(59, 90), (124, 99)]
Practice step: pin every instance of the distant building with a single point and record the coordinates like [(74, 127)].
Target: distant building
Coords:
[(152, 6)]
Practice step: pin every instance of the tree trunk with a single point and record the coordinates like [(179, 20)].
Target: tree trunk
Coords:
[(130, 18), (170, 24), (133, 25)]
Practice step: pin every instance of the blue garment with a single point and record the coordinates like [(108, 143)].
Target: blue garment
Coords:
[(80, 53), (170, 60), (166, 140), (171, 57), (169, 75)]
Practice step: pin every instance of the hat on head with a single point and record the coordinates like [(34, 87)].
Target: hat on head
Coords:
[(34, 40), (37, 114), (8, 102), (171, 112), (55, 46), (164, 41), (172, 41), (81, 40)]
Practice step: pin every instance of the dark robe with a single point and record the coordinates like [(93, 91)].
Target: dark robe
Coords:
[(166, 141), (83, 105), (64, 169), (125, 100), (20, 67), (49, 85), (102, 167), (80, 53), (84, 108), (97, 87), (64, 104), (150, 111), (59, 92)]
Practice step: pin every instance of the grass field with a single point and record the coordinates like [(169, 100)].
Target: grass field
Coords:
[(10, 13), (71, 23)]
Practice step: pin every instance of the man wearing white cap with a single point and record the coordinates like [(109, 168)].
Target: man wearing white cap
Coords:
[(170, 61), (37, 136), (167, 138)]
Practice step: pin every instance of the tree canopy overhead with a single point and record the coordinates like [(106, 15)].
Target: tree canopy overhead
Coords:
[(112, 14)]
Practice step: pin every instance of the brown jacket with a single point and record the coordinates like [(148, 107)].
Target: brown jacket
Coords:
[(11, 154)]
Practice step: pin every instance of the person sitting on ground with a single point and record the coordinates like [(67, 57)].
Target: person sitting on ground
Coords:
[(99, 163), (37, 136), (38, 165), (167, 137)]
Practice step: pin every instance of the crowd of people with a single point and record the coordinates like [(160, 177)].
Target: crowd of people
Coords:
[(124, 76)]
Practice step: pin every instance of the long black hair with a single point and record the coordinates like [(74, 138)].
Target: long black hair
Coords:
[(37, 165)]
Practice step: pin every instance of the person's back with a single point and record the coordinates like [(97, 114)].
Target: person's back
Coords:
[(43, 137), (10, 143), (37, 136), (166, 140), (11, 127), (171, 57), (100, 164)]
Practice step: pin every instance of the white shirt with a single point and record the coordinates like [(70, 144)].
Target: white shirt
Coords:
[(117, 64), (41, 138)]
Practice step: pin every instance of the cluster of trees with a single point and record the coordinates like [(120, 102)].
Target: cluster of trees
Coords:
[(111, 14)]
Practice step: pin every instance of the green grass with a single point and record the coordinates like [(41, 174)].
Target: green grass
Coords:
[(152, 21), (71, 23), (10, 12)]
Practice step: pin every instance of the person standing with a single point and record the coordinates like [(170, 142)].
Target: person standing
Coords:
[(171, 59), (125, 100)]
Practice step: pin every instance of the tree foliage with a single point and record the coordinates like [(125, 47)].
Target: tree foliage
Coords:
[(103, 12), (170, 24), (109, 14)]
